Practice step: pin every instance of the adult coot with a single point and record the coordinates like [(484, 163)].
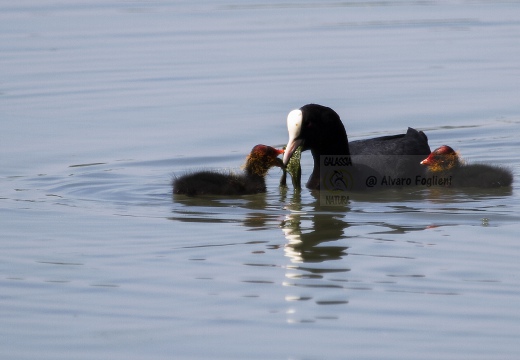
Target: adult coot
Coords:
[(387, 159), (251, 181), (445, 162)]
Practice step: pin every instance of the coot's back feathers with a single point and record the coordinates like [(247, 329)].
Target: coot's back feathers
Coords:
[(396, 156), (412, 143)]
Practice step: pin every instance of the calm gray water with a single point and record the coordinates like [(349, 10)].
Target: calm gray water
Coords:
[(102, 102)]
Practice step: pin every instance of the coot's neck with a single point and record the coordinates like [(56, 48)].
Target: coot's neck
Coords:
[(337, 145)]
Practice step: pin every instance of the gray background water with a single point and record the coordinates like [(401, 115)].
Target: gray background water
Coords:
[(102, 102)]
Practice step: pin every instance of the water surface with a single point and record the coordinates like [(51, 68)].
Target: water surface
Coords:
[(103, 102)]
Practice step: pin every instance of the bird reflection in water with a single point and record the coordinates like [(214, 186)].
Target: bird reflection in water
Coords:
[(312, 263), (304, 247)]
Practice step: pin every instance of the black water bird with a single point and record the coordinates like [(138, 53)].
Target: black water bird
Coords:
[(251, 181), (319, 129)]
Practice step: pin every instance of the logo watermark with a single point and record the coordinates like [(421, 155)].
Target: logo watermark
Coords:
[(336, 180)]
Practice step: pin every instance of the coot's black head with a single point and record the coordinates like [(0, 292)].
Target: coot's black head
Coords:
[(317, 128), (261, 159), (441, 159)]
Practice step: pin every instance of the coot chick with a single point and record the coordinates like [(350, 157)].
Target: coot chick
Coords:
[(251, 181), (319, 129), (445, 162)]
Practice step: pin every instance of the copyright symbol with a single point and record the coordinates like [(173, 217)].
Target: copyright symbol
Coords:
[(371, 181)]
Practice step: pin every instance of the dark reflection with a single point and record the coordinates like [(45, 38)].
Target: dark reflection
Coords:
[(457, 195), (305, 246), (311, 233), (219, 209), (59, 263), (326, 221), (332, 302), (89, 164), (255, 220), (316, 242)]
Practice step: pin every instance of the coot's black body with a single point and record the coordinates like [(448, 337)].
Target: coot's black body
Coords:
[(251, 181), (319, 129), (445, 162)]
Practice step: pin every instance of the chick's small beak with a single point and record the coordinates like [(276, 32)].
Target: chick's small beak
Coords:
[(278, 162), (427, 161)]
